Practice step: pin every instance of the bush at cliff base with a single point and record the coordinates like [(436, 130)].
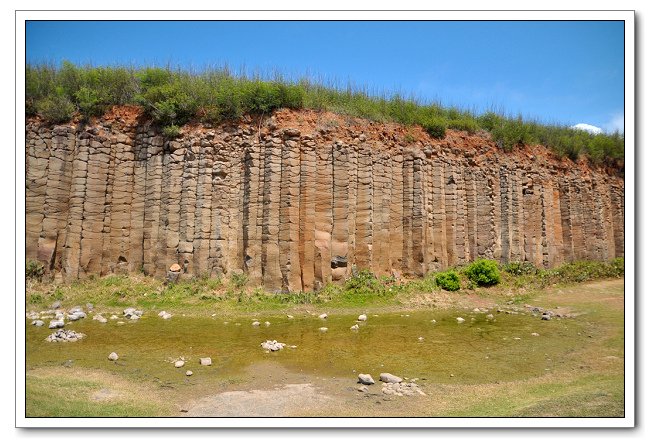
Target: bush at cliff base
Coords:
[(483, 272), (449, 281)]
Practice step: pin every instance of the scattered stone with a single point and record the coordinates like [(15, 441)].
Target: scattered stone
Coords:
[(323, 329), (64, 336), (273, 345), (365, 378), (363, 388), (433, 321), (73, 317), (323, 316), (32, 315), (56, 305), (113, 317), (267, 323), (56, 324), (113, 356), (75, 309), (205, 361), (420, 339), (289, 316), (546, 317), (389, 378), (293, 346), (99, 318), (476, 310), (38, 323), (189, 373), (179, 363), (489, 316), (534, 334), (135, 317), (460, 320), (354, 327), (362, 318), (256, 324)]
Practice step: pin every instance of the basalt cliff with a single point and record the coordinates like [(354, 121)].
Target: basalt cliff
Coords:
[(298, 199)]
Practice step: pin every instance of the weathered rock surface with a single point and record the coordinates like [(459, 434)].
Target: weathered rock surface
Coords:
[(365, 378), (389, 378), (297, 204)]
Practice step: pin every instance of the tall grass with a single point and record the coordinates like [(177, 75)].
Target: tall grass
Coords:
[(172, 97)]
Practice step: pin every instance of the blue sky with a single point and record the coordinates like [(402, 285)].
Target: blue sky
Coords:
[(556, 72)]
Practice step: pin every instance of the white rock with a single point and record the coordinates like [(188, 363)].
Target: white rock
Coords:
[(362, 318), (73, 317), (433, 321), (365, 378), (273, 346), (56, 324), (113, 356), (205, 361), (323, 329), (489, 316), (38, 323), (354, 327), (323, 316), (179, 363), (389, 378), (267, 323), (166, 316), (256, 324), (99, 318), (120, 323), (534, 334), (113, 317), (476, 310), (460, 320), (135, 317), (289, 316), (420, 339), (189, 373), (162, 313)]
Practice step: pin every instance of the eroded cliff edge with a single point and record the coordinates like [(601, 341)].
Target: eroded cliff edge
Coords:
[(297, 199)]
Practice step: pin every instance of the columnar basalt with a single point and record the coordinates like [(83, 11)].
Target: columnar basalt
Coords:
[(299, 199)]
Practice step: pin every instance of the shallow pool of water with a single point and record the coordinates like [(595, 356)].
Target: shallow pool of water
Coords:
[(479, 351)]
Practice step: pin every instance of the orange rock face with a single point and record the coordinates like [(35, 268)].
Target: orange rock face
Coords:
[(303, 198)]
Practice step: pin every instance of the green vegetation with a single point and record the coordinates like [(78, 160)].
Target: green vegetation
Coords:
[(483, 272), (174, 97), (449, 281), (34, 270)]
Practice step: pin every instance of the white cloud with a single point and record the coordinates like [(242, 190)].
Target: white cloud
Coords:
[(588, 127), (616, 123)]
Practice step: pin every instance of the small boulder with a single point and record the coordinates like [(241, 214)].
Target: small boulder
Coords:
[(179, 363), (365, 378), (289, 316), (56, 324), (38, 323), (175, 268), (267, 323), (113, 356), (363, 388), (99, 318), (322, 329), (56, 305), (256, 324), (354, 327), (189, 373), (389, 378), (323, 316), (460, 320), (362, 318), (546, 317), (205, 361)]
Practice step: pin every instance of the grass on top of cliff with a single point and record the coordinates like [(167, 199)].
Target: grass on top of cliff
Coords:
[(175, 97), (511, 282)]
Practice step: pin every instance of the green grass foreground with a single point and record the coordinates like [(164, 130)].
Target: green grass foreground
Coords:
[(174, 97), (362, 290)]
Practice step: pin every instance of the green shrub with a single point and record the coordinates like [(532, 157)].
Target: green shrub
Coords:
[(36, 299), (55, 109), (449, 281), (483, 272), (363, 282), (435, 127), (520, 268), (618, 266), (34, 269), (239, 280), (171, 131)]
